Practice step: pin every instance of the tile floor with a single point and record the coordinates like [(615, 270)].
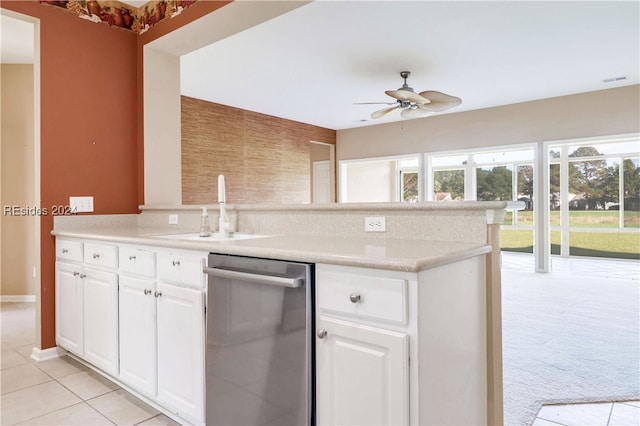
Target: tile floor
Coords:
[(60, 391), (625, 413)]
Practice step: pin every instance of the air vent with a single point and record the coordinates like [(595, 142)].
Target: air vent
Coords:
[(614, 79)]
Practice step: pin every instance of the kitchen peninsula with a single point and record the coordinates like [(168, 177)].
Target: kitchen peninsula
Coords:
[(428, 292)]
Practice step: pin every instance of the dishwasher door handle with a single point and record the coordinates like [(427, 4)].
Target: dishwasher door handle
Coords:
[(256, 278)]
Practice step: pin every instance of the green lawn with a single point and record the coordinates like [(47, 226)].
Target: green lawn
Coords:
[(582, 218), (594, 244)]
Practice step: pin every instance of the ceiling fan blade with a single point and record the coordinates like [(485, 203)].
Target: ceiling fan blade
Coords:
[(439, 101), (383, 112), (417, 112), (406, 95)]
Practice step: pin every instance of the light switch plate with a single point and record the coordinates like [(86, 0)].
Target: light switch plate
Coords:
[(81, 204)]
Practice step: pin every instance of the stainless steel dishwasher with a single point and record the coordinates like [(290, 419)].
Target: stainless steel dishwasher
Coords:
[(259, 359)]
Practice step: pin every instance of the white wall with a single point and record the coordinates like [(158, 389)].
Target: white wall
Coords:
[(162, 158), (604, 112), (371, 181)]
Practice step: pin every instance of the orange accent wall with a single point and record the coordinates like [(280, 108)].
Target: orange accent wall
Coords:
[(91, 120), (88, 125)]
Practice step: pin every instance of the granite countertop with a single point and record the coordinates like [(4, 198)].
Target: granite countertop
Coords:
[(377, 253)]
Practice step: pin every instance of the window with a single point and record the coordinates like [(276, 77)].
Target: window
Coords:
[(380, 180), (490, 175), (448, 185), (594, 198)]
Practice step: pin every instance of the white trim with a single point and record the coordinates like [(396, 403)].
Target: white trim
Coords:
[(541, 208), (40, 355), (482, 150), (18, 298), (383, 158), (624, 137)]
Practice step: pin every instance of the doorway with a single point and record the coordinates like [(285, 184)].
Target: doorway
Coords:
[(20, 162), (322, 161)]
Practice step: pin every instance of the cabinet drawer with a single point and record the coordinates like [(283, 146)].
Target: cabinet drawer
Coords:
[(69, 250), (101, 255), (136, 261), (364, 296), (181, 269)]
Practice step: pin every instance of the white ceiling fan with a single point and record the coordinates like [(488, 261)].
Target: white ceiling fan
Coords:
[(415, 105)]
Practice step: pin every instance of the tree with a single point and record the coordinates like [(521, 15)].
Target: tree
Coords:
[(554, 186), (587, 178), (451, 181), (631, 190), (409, 186), (494, 184), (525, 180)]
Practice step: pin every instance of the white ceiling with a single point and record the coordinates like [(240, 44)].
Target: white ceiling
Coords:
[(16, 42), (313, 63)]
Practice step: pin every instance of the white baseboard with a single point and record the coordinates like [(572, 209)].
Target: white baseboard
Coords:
[(40, 355), (18, 298)]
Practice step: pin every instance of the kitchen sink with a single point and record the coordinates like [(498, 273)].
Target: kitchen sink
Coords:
[(194, 236)]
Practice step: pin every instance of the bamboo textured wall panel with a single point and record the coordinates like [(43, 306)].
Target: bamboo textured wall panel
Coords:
[(264, 159)]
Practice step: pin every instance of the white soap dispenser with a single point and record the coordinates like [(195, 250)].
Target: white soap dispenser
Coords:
[(205, 228)]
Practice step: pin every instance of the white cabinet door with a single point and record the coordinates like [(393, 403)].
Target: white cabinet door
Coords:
[(69, 307), (137, 306), (101, 319), (362, 375), (181, 373)]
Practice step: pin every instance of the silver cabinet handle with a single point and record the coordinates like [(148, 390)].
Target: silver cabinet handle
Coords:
[(132, 257), (322, 333), (355, 297), (176, 263), (255, 278), (65, 251), (158, 293), (96, 255), (83, 276), (76, 273), (147, 292)]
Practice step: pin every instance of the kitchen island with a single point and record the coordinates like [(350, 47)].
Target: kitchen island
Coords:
[(438, 318)]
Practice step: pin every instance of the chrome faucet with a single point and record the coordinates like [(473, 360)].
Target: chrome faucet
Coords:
[(223, 223)]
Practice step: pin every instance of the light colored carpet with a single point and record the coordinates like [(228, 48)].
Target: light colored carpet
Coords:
[(568, 338)]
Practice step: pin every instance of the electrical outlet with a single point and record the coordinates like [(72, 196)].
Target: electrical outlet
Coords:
[(81, 204), (173, 219), (375, 224)]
